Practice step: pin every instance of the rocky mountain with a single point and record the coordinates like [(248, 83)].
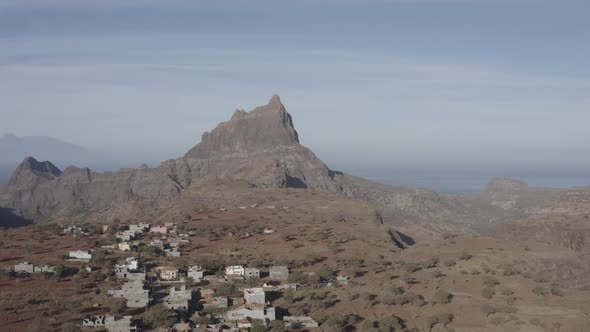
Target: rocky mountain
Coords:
[(261, 148), (14, 149)]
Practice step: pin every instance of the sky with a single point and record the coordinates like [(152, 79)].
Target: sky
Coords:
[(434, 83)]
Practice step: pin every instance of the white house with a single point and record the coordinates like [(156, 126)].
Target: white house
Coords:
[(196, 273), (85, 255), (235, 270)]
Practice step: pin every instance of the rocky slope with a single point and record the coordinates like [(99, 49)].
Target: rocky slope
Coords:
[(262, 148)]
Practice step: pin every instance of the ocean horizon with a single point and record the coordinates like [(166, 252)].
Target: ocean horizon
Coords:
[(472, 181)]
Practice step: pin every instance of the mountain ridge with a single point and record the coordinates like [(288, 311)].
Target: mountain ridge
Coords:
[(262, 148)]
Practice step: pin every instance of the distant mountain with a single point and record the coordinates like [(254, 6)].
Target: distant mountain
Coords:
[(14, 149)]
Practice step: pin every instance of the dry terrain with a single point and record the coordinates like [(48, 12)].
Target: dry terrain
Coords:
[(482, 283)]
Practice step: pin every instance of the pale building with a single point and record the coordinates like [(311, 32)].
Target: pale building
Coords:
[(235, 270), (254, 296), (167, 273), (81, 255), (279, 272), (196, 273)]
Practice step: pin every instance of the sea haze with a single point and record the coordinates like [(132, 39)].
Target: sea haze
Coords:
[(471, 180)]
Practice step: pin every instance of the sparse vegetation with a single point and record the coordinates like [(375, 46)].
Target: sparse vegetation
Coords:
[(450, 263), (440, 318), (488, 293), (442, 297)]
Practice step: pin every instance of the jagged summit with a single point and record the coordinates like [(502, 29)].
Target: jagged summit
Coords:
[(32, 169), (265, 127)]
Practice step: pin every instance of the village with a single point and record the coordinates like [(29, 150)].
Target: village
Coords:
[(183, 297)]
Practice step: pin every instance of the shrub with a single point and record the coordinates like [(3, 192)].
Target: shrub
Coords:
[(117, 306), (465, 256), (437, 274), (475, 272), (298, 277), (431, 263), (442, 297), (540, 290), (388, 299), (556, 291), (158, 316), (487, 309), (487, 269), (510, 270), (507, 292), (412, 267), (399, 290), (498, 321), (450, 263), (440, 318), (506, 309), (226, 290), (488, 293), (490, 282), (415, 299), (391, 323)]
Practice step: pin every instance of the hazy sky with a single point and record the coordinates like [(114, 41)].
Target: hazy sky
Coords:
[(433, 80)]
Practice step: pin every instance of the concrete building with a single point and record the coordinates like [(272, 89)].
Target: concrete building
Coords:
[(173, 252), (139, 228), (279, 272), (196, 273), (178, 298), (254, 296), (134, 293), (167, 273), (254, 312), (209, 301), (128, 235), (159, 229), (234, 270), (123, 272), (81, 255), (111, 323), (251, 272), (24, 267)]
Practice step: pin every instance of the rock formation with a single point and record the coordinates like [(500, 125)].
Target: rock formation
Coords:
[(262, 148)]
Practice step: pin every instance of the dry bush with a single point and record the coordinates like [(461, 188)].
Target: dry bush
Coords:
[(488, 293)]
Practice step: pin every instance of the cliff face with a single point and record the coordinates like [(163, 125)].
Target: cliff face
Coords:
[(261, 147)]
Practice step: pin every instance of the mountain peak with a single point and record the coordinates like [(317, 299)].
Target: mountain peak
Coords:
[(32, 169), (265, 127), (275, 99)]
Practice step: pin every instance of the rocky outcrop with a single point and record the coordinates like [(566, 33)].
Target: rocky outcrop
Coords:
[(261, 147), (32, 171)]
